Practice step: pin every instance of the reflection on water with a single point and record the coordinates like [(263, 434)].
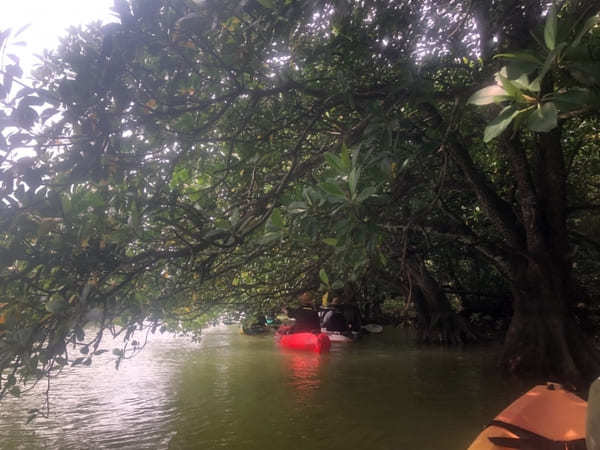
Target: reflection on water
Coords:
[(303, 371), (244, 392), (100, 407)]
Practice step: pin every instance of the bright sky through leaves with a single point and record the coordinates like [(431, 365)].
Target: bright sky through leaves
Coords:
[(48, 21)]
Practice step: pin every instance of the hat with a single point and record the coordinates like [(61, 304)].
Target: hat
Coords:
[(306, 298)]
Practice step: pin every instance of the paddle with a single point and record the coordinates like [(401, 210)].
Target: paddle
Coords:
[(373, 328)]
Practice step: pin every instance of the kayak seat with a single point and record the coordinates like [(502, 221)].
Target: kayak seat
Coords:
[(530, 441)]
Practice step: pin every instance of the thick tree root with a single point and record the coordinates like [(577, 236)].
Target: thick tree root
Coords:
[(550, 348)]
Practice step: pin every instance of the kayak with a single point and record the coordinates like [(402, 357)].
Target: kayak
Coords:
[(254, 329), (547, 416), (337, 336), (373, 328), (314, 342)]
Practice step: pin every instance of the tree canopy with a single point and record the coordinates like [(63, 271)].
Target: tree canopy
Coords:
[(193, 155)]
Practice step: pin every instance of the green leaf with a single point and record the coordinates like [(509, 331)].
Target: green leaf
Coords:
[(550, 29), (269, 4), (330, 241), (521, 57), (353, 180), (511, 88), (523, 83), (297, 208), (550, 60), (518, 80), (544, 118), (333, 189), (354, 155), (487, 95), (499, 124), (270, 237), (520, 118), (56, 304), (334, 162), (181, 175), (405, 164), (366, 193), (573, 99), (587, 73), (535, 85), (323, 276), (346, 161), (589, 24), (277, 218), (65, 201), (217, 233), (337, 284), (518, 69), (234, 219)]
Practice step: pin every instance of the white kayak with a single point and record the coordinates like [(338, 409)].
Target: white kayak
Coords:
[(336, 336), (373, 328)]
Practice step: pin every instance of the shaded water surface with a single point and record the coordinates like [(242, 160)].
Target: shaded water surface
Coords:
[(243, 392)]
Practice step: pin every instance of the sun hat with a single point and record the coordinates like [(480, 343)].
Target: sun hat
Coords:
[(306, 298)]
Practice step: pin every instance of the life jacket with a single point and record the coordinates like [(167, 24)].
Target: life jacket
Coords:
[(307, 319), (335, 321)]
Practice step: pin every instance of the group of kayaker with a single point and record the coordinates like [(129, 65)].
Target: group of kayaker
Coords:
[(339, 316)]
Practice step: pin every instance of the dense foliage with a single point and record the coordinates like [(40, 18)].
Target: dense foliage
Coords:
[(202, 155)]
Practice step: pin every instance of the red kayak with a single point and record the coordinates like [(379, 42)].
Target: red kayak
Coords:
[(314, 342)]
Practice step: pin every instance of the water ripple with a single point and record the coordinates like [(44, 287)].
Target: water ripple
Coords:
[(244, 393), (100, 407)]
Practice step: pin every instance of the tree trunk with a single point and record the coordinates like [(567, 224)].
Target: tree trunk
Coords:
[(437, 320), (544, 340)]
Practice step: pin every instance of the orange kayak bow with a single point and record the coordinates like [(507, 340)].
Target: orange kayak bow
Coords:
[(545, 418)]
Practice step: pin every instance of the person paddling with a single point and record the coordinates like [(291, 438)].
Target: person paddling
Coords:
[(307, 318), (352, 315), (334, 319)]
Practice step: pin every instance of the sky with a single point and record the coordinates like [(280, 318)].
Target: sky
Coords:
[(48, 20)]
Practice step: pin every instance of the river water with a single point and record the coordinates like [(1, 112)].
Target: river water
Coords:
[(231, 391)]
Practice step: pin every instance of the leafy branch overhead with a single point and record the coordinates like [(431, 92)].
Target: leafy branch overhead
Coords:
[(538, 91), (197, 157)]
